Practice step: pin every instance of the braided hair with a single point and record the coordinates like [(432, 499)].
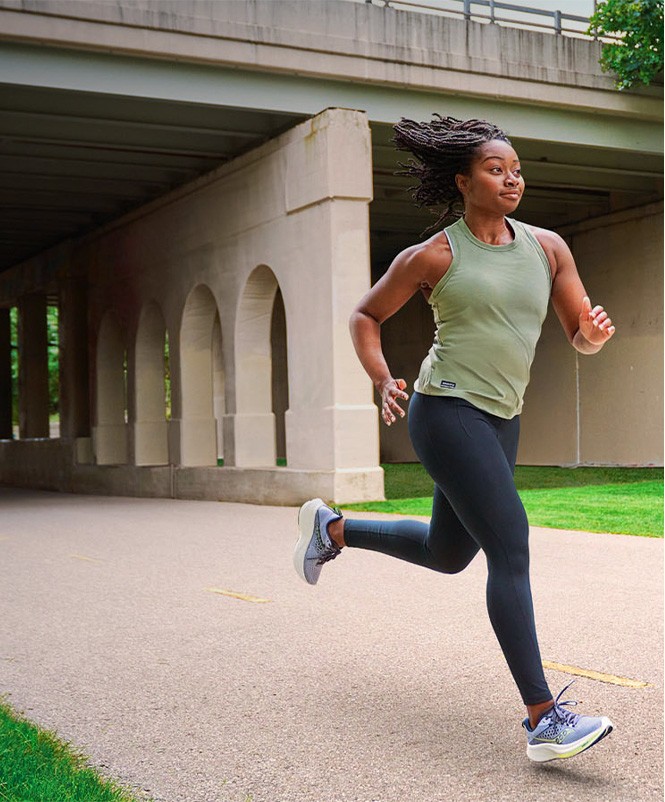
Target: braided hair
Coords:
[(442, 148)]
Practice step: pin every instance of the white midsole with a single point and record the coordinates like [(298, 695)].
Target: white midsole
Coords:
[(306, 518), (541, 753)]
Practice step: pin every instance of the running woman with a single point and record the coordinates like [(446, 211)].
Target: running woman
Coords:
[(488, 279)]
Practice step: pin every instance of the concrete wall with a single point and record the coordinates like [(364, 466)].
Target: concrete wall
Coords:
[(604, 409)]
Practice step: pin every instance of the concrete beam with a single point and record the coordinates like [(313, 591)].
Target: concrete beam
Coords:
[(540, 111)]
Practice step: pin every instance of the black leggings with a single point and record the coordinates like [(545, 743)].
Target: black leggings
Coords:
[(470, 455)]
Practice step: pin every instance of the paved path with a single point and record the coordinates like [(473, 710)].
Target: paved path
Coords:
[(382, 684)]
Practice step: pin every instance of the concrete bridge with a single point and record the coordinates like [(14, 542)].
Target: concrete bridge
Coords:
[(215, 179)]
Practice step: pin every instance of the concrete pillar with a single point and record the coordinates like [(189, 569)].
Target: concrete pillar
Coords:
[(249, 430), (192, 430), (332, 423), (5, 376), (147, 409), (74, 370), (109, 434), (33, 367)]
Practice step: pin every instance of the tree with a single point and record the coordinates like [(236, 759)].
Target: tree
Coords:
[(637, 58)]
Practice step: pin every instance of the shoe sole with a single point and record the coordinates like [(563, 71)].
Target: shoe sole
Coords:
[(543, 753), (306, 517)]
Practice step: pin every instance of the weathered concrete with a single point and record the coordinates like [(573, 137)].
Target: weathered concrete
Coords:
[(327, 39), (382, 684)]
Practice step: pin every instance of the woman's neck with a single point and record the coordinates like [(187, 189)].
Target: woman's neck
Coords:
[(490, 230)]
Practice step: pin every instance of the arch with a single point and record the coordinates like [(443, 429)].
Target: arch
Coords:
[(110, 431), (149, 427), (198, 436), (254, 430)]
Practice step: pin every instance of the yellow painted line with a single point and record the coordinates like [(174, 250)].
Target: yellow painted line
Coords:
[(5, 537), (597, 675), (235, 595), (86, 559)]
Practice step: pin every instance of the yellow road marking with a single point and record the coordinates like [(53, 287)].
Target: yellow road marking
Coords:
[(87, 559), (597, 675), (235, 595), (4, 537)]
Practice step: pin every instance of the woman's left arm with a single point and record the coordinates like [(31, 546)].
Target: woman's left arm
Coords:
[(587, 328)]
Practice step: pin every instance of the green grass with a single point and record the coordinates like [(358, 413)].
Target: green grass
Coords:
[(35, 766), (620, 500)]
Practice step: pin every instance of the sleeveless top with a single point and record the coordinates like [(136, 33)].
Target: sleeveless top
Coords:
[(488, 309)]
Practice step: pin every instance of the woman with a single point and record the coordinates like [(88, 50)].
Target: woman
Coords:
[(488, 279)]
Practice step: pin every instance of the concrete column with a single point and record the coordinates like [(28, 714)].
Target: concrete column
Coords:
[(109, 434), (193, 428), (74, 368), (5, 376), (332, 423), (145, 396), (249, 429), (33, 367)]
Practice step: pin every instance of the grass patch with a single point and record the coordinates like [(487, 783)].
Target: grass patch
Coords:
[(620, 500), (35, 766)]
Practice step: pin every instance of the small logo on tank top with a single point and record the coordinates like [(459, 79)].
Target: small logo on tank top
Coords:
[(448, 385)]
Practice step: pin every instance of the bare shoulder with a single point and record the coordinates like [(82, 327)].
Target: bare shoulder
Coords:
[(555, 247), (426, 261), (547, 238)]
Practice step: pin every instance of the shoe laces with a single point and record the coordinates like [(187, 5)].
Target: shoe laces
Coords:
[(328, 554), (560, 713)]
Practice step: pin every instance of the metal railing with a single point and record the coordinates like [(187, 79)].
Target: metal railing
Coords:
[(555, 21)]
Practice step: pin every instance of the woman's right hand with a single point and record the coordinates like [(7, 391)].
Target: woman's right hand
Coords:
[(390, 390)]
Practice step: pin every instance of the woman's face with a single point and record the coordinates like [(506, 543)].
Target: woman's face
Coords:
[(494, 183)]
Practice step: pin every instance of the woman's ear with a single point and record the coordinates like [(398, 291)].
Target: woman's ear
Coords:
[(461, 182)]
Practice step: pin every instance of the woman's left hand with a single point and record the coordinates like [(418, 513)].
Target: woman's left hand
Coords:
[(594, 324)]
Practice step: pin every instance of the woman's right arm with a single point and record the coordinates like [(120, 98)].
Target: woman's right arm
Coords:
[(405, 276)]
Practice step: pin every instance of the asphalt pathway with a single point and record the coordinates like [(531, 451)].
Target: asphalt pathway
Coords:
[(382, 684)]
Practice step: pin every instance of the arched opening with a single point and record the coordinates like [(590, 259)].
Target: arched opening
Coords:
[(53, 360), (110, 431), (260, 370), (218, 386), (198, 429), (149, 427), (280, 375)]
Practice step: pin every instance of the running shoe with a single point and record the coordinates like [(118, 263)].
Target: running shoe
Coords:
[(560, 733), (314, 547)]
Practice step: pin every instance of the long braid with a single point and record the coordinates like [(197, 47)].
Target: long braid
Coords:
[(442, 148)]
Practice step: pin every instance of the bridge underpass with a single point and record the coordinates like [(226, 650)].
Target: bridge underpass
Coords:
[(89, 136)]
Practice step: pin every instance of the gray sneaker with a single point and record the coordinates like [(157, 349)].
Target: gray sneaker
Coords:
[(314, 546), (561, 733)]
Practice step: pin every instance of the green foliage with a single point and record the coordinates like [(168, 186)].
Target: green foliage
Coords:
[(638, 57), (167, 376), (13, 333), (52, 339), (36, 766)]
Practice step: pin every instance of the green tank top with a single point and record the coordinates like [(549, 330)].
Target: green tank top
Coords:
[(488, 309)]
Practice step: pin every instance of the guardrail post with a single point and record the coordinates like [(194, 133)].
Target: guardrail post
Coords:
[(557, 22), (467, 9), (492, 11)]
